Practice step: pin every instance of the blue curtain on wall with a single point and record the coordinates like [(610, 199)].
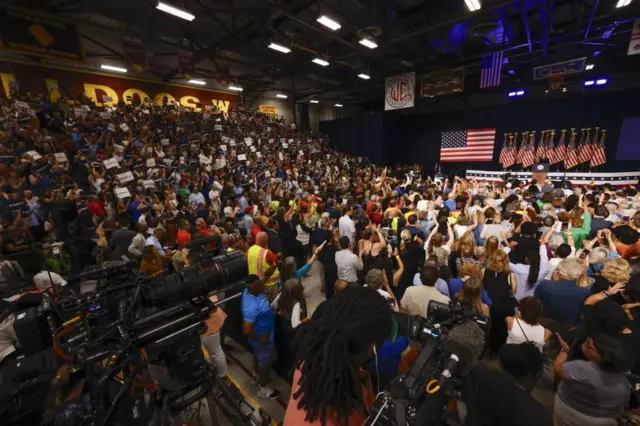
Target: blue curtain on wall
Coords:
[(395, 138)]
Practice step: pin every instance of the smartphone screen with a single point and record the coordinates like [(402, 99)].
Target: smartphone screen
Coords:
[(564, 227), (625, 219)]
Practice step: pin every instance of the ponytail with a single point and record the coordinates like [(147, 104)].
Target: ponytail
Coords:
[(533, 258)]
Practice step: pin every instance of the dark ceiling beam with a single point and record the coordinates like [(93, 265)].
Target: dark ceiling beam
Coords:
[(506, 24), (544, 18), (525, 24), (102, 45), (593, 13)]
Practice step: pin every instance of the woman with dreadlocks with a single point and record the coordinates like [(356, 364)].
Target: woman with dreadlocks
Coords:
[(330, 387)]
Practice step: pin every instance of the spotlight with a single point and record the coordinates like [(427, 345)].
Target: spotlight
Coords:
[(364, 76), (281, 96), (589, 67), (110, 68), (198, 82), (589, 83), (473, 5), (338, 105), (623, 3), (175, 11), (320, 61), (314, 101), (601, 81), (279, 48), (367, 42), (328, 22)]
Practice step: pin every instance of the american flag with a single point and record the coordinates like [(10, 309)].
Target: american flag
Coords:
[(503, 151), (510, 156), (586, 149), (599, 156), (571, 158), (551, 134), (541, 154), (529, 156), (467, 145), (491, 70), (519, 153), (561, 150)]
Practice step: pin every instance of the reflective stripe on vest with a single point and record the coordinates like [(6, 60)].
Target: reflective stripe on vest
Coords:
[(258, 265)]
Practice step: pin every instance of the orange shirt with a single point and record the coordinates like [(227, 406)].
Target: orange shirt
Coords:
[(294, 416)]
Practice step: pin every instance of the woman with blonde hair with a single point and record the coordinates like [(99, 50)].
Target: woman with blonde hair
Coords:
[(491, 246), (466, 252), (501, 285), (615, 271), (471, 296), (412, 256)]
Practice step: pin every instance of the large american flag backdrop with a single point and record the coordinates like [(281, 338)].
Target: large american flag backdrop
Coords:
[(470, 145)]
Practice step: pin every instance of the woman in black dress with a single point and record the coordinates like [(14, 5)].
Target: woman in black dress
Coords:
[(500, 284), (413, 256), (327, 256)]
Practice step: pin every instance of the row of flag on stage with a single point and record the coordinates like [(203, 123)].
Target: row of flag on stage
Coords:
[(589, 148)]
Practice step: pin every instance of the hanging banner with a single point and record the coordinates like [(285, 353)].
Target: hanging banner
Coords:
[(634, 44), (186, 64), (442, 82), (135, 54), (24, 34), (267, 109), (399, 91)]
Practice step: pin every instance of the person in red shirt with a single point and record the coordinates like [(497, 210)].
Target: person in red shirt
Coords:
[(258, 224), (96, 207), (345, 333), (184, 236)]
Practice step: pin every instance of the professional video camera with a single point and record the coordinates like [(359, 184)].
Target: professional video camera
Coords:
[(452, 339), (136, 343)]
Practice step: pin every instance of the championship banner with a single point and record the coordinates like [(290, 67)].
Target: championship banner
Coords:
[(634, 43), (399, 91), (442, 82), (135, 55), (267, 109), (24, 34), (106, 90), (186, 64)]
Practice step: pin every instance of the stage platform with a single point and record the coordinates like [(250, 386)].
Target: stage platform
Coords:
[(576, 178)]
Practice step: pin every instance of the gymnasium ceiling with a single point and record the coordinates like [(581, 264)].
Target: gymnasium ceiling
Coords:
[(230, 37)]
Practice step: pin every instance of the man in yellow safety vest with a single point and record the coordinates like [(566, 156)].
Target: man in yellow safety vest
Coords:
[(264, 263)]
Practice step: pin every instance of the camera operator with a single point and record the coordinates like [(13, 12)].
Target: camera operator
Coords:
[(330, 386)]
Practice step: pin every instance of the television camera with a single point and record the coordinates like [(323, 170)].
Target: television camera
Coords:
[(452, 339), (133, 345)]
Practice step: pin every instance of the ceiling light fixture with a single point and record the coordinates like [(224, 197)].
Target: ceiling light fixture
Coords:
[(589, 67), (314, 101), (235, 88), (589, 83), (520, 93), (110, 68), (328, 22), (279, 48), (320, 61), (601, 81), (175, 11), (338, 105), (281, 96), (623, 3), (474, 5), (198, 82), (364, 76), (367, 42), (564, 89)]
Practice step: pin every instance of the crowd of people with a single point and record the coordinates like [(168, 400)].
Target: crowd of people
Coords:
[(547, 265)]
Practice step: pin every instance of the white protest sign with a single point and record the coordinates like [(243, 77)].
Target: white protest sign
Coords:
[(225, 139), (168, 161), (111, 127), (122, 193), (105, 114), (217, 127), (253, 149), (223, 147), (204, 159), (79, 111), (151, 162), (21, 104), (181, 160), (110, 163), (259, 154), (125, 177), (301, 152), (285, 145), (61, 157), (148, 184), (267, 174), (124, 127), (164, 141), (232, 142), (282, 140), (34, 155), (242, 157), (160, 153), (290, 140), (248, 141), (125, 142)]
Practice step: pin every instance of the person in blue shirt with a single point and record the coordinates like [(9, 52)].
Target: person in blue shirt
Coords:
[(259, 326), (135, 208), (290, 268)]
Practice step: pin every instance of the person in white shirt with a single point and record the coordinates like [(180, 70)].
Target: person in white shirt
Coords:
[(155, 240), (348, 263), (525, 325), (139, 241), (346, 226), (43, 279)]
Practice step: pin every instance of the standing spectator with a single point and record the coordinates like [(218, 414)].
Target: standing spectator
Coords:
[(138, 242), (525, 325), (347, 226), (415, 300), (348, 263), (264, 264), (562, 297), (184, 236)]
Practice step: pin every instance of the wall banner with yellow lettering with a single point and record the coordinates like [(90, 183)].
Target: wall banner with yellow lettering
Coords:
[(30, 35), (106, 90), (267, 109)]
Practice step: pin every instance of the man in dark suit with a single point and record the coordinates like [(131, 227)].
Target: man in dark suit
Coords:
[(276, 244), (119, 243), (599, 221)]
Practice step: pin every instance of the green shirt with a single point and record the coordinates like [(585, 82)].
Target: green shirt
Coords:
[(579, 234)]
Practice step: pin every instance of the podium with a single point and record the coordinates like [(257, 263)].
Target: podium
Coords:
[(539, 172)]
